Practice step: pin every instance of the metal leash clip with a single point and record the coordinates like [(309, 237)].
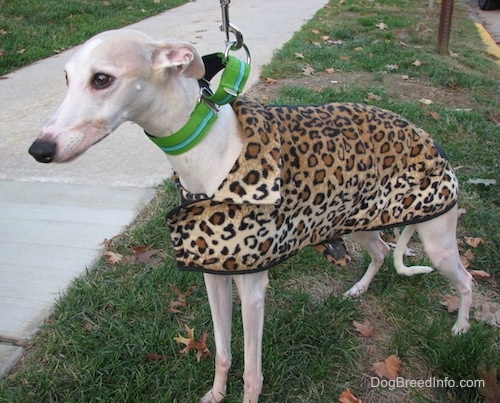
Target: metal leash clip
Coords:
[(228, 28)]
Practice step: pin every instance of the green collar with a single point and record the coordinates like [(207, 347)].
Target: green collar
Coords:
[(233, 79)]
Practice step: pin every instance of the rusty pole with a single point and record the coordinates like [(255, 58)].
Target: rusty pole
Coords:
[(444, 25)]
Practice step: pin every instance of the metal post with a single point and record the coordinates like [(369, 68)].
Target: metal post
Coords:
[(444, 25)]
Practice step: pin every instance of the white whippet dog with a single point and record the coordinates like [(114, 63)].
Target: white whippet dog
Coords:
[(125, 75)]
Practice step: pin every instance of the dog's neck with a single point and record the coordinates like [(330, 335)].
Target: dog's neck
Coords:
[(203, 168)]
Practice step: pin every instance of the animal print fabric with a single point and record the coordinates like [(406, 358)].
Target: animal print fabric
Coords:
[(306, 176)]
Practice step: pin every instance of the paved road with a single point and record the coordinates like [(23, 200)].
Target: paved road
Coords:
[(489, 19)]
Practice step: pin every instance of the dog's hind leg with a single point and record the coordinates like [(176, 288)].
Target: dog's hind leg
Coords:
[(378, 250), (220, 298), (439, 238), (252, 290), (399, 250)]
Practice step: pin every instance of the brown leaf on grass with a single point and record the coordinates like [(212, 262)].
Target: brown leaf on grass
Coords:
[(180, 302), (479, 273), (347, 397), (144, 254), (474, 242), (155, 357), (112, 258), (435, 115), (389, 368), (491, 389), (191, 343), (270, 80), (330, 70), (451, 303), (3, 31), (382, 25), (201, 347), (308, 70), (299, 55), (465, 261), (417, 63), (488, 313), (366, 329), (315, 31)]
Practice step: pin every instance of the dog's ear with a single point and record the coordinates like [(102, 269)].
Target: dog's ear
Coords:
[(182, 56)]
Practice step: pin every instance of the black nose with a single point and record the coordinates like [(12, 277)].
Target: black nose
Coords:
[(43, 151)]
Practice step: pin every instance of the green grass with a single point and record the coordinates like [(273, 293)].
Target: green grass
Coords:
[(32, 30), (95, 347)]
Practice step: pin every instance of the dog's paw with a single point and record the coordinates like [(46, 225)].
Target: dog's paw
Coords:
[(355, 291), (460, 327)]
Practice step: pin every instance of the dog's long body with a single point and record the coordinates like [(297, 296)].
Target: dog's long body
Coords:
[(125, 75)]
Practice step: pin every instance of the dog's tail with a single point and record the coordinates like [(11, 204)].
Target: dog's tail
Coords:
[(399, 252)]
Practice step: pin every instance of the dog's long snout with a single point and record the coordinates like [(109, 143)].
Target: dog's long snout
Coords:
[(43, 150)]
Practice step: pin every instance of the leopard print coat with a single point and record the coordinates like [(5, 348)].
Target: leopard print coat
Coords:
[(306, 176)]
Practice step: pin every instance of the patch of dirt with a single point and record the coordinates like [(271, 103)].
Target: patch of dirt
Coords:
[(398, 87)]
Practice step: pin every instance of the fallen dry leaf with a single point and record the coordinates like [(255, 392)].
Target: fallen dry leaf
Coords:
[(382, 25), (491, 389), (269, 80), (155, 357), (308, 70), (389, 368), (180, 302), (480, 273), (474, 242), (417, 63), (191, 343), (112, 258), (299, 55), (465, 261), (435, 115), (425, 101), (330, 70), (486, 313), (315, 31), (451, 302), (347, 397), (366, 328), (391, 67)]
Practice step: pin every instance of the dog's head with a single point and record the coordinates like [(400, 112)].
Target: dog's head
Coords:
[(114, 77)]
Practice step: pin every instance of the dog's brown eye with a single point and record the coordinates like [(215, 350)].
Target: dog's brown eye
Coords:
[(101, 81)]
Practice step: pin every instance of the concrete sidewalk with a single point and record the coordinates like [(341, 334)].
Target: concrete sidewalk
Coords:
[(53, 218)]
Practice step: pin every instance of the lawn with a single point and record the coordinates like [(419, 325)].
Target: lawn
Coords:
[(112, 336)]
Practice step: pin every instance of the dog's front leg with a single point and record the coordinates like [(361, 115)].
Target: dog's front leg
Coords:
[(252, 290), (219, 290)]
